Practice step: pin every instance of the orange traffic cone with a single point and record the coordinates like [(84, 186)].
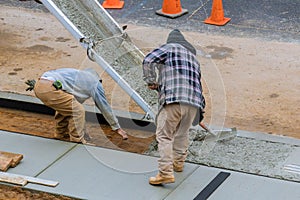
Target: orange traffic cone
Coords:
[(172, 9), (113, 4), (217, 14)]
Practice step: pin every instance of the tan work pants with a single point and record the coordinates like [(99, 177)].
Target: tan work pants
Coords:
[(173, 123), (70, 114)]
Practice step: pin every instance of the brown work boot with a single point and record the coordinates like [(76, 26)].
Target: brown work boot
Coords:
[(61, 136), (177, 168), (160, 179), (84, 142)]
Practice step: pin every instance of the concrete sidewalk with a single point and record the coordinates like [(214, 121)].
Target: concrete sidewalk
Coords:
[(88, 172)]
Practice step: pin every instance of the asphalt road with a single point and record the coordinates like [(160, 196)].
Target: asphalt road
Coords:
[(269, 19)]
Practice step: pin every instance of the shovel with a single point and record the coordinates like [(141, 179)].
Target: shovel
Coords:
[(220, 134)]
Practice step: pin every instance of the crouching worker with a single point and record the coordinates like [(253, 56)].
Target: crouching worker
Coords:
[(64, 90), (174, 71)]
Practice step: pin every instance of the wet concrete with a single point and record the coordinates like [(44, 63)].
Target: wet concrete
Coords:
[(257, 156), (109, 42)]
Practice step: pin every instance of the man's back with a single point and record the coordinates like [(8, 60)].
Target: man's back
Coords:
[(80, 83), (179, 74)]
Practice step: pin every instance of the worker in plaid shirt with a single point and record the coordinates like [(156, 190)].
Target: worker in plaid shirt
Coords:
[(173, 70)]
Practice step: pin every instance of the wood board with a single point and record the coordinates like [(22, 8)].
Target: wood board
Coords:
[(5, 163), (23, 180), (8, 159)]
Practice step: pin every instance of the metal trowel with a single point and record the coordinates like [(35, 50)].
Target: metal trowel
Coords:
[(223, 134)]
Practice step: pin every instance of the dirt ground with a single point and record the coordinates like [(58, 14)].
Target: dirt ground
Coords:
[(17, 193), (249, 83)]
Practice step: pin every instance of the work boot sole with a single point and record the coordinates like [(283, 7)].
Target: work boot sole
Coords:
[(178, 169), (162, 181)]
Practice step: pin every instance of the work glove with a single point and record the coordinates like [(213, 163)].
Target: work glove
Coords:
[(31, 84)]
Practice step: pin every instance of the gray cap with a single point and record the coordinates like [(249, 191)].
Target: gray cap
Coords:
[(176, 36)]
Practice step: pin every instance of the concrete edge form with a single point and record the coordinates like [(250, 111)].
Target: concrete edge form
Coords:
[(33, 104)]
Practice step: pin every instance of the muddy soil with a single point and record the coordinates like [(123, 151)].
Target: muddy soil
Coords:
[(17, 193), (44, 126)]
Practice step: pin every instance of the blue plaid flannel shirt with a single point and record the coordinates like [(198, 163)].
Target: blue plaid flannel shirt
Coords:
[(179, 75)]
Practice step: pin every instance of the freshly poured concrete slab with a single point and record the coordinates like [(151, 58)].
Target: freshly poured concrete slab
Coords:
[(88, 172), (95, 173), (38, 153), (292, 164), (294, 158), (269, 137), (124, 161), (237, 186)]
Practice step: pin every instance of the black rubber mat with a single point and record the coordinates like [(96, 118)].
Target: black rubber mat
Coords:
[(212, 186)]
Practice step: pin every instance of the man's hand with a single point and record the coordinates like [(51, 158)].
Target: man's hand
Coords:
[(31, 84)]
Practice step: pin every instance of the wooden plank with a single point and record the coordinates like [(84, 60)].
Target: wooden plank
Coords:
[(16, 157), (18, 178), (5, 163), (14, 179), (41, 181)]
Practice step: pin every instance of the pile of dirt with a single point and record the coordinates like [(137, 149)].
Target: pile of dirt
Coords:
[(17, 193)]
